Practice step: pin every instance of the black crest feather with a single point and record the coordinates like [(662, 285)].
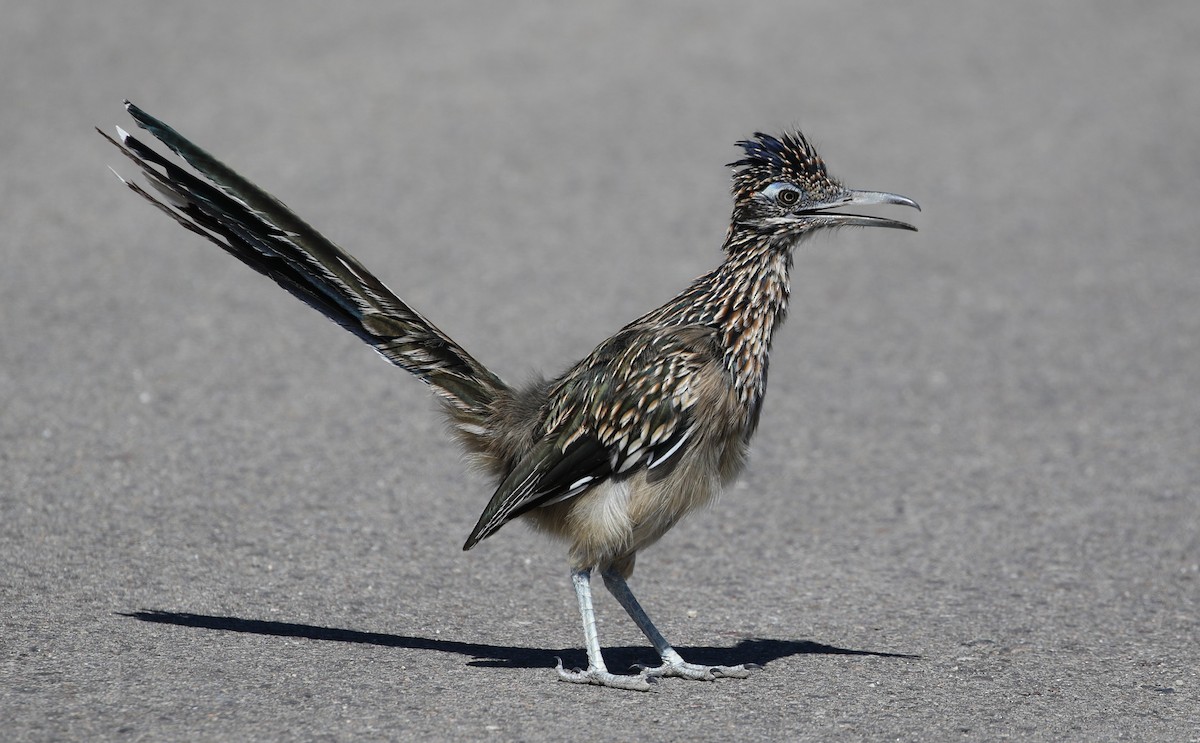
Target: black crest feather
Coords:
[(788, 157)]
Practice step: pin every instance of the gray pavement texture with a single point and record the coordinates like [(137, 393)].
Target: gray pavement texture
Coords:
[(973, 505)]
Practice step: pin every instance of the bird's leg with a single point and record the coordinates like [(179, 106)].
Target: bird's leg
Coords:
[(672, 663), (596, 673)]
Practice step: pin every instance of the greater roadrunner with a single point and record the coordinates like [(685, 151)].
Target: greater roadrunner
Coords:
[(615, 451)]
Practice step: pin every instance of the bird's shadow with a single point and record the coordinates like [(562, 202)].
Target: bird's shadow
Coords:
[(756, 650)]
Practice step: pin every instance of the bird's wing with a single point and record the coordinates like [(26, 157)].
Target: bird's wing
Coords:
[(628, 407)]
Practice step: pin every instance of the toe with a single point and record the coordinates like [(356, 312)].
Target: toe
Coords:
[(697, 672), (599, 677)]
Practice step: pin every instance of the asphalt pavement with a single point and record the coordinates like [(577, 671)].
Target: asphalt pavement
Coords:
[(973, 506)]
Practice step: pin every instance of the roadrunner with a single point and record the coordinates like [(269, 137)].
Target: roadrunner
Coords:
[(615, 451)]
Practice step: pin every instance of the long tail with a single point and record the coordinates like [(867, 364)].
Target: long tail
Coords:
[(257, 229)]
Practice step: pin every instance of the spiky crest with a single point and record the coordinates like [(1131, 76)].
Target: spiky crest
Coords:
[(789, 158)]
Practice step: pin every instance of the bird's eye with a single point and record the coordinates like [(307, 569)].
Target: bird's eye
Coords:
[(783, 194)]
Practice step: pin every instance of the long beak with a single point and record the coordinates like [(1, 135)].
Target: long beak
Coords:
[(861, 198)]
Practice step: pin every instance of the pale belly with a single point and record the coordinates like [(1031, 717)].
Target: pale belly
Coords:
[(608, 524)]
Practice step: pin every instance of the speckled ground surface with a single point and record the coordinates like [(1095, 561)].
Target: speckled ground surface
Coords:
[(973, 506)]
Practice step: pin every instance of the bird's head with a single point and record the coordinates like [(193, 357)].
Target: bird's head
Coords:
[(783, 192)]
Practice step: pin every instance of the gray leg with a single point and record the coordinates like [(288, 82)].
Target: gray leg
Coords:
[(596, 673), (672, 663)]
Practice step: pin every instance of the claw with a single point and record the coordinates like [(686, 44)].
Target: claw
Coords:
[(697, 672), (599, 677)]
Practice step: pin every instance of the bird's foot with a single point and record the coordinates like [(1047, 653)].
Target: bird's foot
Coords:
[(697, 672), (599, 677)]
